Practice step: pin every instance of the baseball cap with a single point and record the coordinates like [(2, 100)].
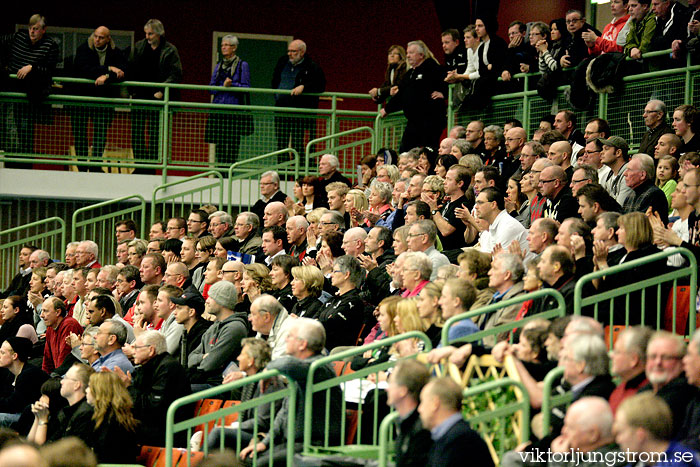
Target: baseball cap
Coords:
[(192, 300)]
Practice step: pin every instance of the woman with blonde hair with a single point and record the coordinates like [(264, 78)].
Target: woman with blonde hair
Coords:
[(388, 173), (355, 203), (114, 436), (307, 285), (395, 70), (256, 281), (429, 311), (401, 240), (636, 236), (386, 314), (474, 267)]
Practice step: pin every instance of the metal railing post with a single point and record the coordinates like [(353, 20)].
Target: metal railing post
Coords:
[(450, 110), (165, 133), (688, 91), (526, 105)]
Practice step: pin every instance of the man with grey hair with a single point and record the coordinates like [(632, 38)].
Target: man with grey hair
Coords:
[(298, 73), (344, 314), (354, 241), (415, 273), (86, 254), (506, 278), (269, 193), (275, 214), (296, 236), (331, 221), (328, 170), (421, 96), (246, 231), (39, 258), (421, 238), (628, 359), (584, 358), (305, 343), (157, 382), (154, 60), (109, 342), (664, 369), (655, 120), (221, 343), (220, 224), (269, 318), (639, 176)]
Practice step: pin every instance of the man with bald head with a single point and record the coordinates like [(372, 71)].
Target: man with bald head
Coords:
[(539, 202), (554, 185), (475, 137), (560, 154), (668, 145), (445, 147), (298, 73), (275, 214), (98, 59), (655, 120), (354, 241), (515, 140)]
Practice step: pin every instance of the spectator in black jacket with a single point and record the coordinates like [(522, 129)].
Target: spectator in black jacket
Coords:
[(343, 315), (575, 47), (155, 384), (421, 95), (378, 254), (307, 285), (298, 73), (188, 312), (98, 59), (20, 283), (24, 390), (403, 394)]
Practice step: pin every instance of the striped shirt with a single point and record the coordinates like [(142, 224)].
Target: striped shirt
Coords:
[(20, 51)]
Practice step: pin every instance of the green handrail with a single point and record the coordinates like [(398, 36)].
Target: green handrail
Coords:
[(171, 427), (336, 136), (10, 262), (690, 271), (549, 401), (219, 183), (245, 174), (521, 405), (560, 310), (386, 428), (106, 240), (312, 387)]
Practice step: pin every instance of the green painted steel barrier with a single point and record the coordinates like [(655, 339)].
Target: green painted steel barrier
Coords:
[(184, 200), (501, 415), (47, 234), (246, 174), (290, 393), (689, 272), (99, 224), (386, 444), (550, 400), (369, 451), (347, 152), (560, 310)]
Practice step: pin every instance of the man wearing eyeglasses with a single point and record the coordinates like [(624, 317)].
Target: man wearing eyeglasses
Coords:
[(591, 156), (553, 185), (575, 46), (126, 230), (655, 120), (176, 228), (664, 370), (198, 223)]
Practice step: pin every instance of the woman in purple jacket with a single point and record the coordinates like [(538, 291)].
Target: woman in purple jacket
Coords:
[(225, 127)]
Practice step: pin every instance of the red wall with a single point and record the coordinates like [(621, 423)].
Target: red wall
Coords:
[(348, 38)]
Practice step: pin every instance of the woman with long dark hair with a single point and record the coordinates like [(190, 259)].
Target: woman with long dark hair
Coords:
[(18, 321)]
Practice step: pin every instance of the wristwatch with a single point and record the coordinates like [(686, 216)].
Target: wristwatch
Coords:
[(433, 212)]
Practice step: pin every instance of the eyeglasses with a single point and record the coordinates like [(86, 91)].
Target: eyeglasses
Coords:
[(414, 235), (336, 271), (580, 180), (68, 377), (140, 346), (123, 231), (173, 228), (547, 181), (664, 358), (226, 272), (85, 344), (193, 221), (650, 112), (572, 21)]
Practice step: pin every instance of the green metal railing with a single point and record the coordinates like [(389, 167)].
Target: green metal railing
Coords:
[(289, 393), (47, 234), (550, 400), (181, 201), (357, 450), (183, 129), (347, 152), (687, 273), (386, 445), (494, 423), (243, 177), (99, 224), (389, 130), (560, 310)]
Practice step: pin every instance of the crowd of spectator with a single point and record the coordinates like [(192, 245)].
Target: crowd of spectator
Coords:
[(100, 351)]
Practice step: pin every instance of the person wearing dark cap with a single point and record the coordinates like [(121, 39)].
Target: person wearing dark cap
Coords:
[(221, 343), (188, 312), (24, 386), (615, 155)]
